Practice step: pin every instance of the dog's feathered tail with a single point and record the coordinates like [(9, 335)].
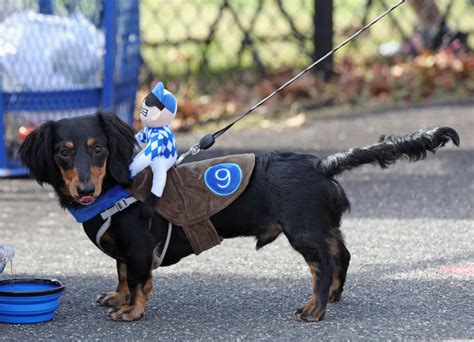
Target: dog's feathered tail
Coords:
[(389, 149)]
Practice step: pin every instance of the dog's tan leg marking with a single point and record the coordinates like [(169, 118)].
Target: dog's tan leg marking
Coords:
[(120, 296), (335, 289), (310, 312), (136, 307), (148, 287)]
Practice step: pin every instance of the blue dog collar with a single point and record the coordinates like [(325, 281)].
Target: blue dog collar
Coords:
[(104, 202)]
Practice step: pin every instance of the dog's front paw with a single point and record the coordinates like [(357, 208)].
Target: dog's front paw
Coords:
[(112, 299), (310, 313), (127, 313)]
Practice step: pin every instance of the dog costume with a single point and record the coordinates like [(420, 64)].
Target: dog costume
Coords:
[(194, 192)]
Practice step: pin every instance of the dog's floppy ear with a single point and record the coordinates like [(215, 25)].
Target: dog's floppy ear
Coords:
[(121, 143), (36, 153)]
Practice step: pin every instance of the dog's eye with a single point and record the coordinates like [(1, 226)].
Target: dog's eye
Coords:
[(97, 149), (64, 153)]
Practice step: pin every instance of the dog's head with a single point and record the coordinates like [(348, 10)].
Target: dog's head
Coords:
[(80, 156)]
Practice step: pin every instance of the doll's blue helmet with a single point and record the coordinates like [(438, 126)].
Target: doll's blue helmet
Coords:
[(159, 107), (165, 97)]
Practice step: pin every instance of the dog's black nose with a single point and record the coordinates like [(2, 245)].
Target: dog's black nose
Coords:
[(85, 189)]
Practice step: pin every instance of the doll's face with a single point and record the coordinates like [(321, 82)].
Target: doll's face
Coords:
[(155, 114)]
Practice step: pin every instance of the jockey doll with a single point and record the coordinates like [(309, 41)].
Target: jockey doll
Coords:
[(159, 150)]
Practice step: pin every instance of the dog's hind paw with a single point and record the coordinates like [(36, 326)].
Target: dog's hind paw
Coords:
[(112, 299), (305, 314), (127, 313), (335, 296)]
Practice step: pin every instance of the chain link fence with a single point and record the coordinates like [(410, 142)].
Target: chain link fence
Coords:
[(206, 42), (43, 52), (63, 58), (209, 38), (411, 23)]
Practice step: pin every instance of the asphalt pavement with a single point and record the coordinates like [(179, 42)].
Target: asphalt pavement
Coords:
[(410, 232)]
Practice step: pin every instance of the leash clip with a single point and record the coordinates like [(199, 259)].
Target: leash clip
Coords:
[(195, 149)]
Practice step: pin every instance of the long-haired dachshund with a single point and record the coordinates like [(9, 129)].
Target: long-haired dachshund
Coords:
[(289, 193)]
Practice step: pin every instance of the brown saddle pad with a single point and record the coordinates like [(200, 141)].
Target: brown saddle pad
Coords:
[(189, 201)]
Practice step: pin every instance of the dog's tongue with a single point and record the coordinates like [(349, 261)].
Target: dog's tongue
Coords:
[(86, 199)]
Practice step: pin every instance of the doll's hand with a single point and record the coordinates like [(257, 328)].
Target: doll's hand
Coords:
[(139, 163)]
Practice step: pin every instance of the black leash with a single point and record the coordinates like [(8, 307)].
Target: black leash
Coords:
[(208, 140)]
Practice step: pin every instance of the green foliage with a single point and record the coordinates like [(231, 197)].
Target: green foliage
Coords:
[(241, 52), (183, 38)]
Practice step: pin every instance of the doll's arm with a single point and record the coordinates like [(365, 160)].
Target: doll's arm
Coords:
[(139, 163), (141, 138), (150, 152)]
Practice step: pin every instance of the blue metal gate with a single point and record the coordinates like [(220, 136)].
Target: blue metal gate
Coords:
[(61, 59)]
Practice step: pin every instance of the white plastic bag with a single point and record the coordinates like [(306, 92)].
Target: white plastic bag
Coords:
[(46, 52)]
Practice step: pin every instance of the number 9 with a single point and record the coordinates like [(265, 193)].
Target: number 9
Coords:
[(223, 178)]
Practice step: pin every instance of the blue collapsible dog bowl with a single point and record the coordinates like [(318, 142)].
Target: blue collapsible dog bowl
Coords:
[(29, 300)]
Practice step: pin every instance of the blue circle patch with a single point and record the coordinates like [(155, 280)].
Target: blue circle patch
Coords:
[(223, 179)]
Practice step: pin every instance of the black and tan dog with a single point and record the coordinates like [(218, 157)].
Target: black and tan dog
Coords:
[(293, 194)]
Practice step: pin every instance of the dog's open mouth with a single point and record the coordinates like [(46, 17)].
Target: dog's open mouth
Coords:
[(86, 200)]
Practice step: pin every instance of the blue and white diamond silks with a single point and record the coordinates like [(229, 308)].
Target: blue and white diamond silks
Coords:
[(159, 142), (160, 153)]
